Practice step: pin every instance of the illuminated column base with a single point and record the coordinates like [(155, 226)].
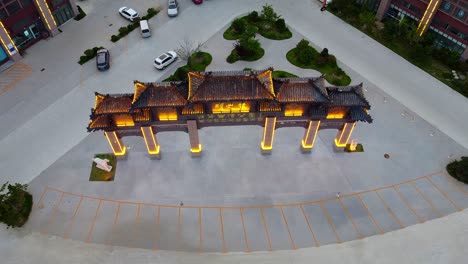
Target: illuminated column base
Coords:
[(428, 16), (7, 43), (195, 146), (343, 135), (46, 16), (116, 144), (310, 134), (151, 142), (268, 135)]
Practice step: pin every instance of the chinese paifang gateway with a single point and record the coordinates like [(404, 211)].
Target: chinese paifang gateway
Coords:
[(227, 98)]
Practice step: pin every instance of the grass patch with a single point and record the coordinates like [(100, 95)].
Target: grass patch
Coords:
[(326, 65), (459, 169), (102, 175), (359, 148), (199, 61), (283, 74)]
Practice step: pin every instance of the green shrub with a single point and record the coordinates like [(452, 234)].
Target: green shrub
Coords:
[(238, 25), (269, 14), (233, 57), (83, 59), (15, 204), (81, 14), (324, 53), (253, 16), (459, 169), (123, 31), (89, 53), (306, 56), (281, 25), (152, 11), (115, 38), (282, 74), (302, 45)]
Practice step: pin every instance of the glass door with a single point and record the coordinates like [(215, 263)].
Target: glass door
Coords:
[(34, 30)]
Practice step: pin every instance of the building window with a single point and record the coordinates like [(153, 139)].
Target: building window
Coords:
[(269, 107), (195, 109), (13, 7), (123, 120), (460, 14), (446, 6), (336, 113)]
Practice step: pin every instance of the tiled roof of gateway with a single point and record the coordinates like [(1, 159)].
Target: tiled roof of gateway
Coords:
[(348, 96), (300, 90), (359, 114), (158, 94), (230, 86), (112, 104)]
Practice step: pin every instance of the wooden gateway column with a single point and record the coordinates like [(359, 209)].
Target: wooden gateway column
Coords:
[(344, 134), (268, 135), (309, 136), (151, 142), (195, 146), (116, 144)]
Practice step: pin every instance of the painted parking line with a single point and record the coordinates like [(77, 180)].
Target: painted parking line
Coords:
[(460, 186), (398, 207), (43, 211), (339, 220), (302, 235), (417, 202), (255, 231), (350, 218), (278, 232), (381, 211), (15, 74), (123, 233), (52, 216), (266, 229), (211, 231), (235, 238), (437, 199), (222, 229), (320, 225), (247, 247), (444, 194), (361, 217), (59, 222), (451, 189), (69, 228), (434, 209)]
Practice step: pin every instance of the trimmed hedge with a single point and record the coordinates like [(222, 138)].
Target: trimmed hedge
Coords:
[(459, 169), (81, 14), (88, 55), (124, 31)]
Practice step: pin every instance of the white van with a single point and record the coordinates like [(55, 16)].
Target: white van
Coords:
[(145, 30)]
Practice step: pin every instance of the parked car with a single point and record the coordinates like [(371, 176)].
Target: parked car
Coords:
[(197, 2), (128, 13), (165, 59), (102, 59), (172, 8)]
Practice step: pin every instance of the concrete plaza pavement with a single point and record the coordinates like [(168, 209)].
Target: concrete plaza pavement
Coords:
[(49, 133)]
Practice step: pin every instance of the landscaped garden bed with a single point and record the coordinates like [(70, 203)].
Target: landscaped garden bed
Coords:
[(102, 175), (124, 31), (268, 24), (306, 57), (402, 38), (89, 54), (198, 62)]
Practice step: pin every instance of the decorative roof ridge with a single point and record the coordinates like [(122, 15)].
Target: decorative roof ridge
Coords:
[(321, 89), (272, 92), (228, 73)]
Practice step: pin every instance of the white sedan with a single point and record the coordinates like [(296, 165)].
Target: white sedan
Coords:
[(128, 13), (165, 59)]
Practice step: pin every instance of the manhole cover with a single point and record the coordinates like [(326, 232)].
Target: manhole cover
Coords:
[(110, 25), (42, 69), (386, 156)]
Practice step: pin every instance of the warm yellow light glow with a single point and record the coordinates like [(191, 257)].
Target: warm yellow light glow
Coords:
[(304, 145), (190, 74), (338, 142), (98, 99), (51, 16), (197, 150), (353, 145), (43, 15), (262, 144), (428, 18), (11, 41), (167, 116), (335, 116), (294, 110), (422, 18), (139, 88), (230, 107), (157, 147), (268, 74), (123, 120), (114, 135)]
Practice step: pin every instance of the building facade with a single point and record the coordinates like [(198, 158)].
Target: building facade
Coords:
[(229, 99), (25, 22), (448, 19)]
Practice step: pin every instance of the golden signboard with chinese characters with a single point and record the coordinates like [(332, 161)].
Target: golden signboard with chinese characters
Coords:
[(230, 107)]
